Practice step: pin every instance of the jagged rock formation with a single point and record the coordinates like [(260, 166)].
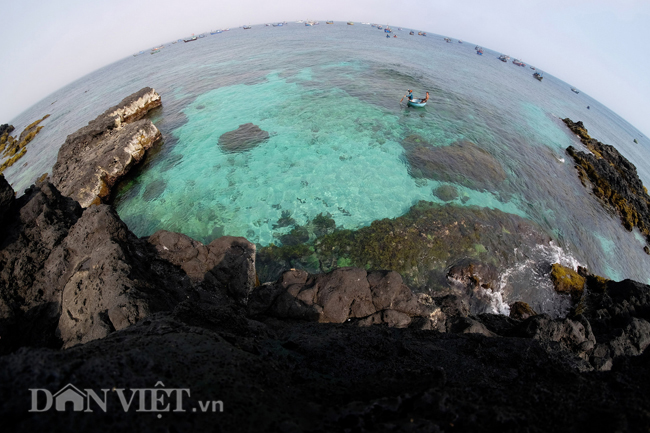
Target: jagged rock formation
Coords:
[(95, 157), (613, 179), (14, 149), (227, 263)]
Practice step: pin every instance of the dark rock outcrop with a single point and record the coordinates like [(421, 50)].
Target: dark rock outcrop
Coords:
[(227, 263), (463, 163), (521, 311), (244, 138), (95, 157), (613, 178)]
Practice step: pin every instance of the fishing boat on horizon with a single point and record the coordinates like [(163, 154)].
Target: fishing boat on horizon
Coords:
[(539, 76), (411, 33), (574, 90), (447, 40), (329, 22), (479, 50), (192, 39), (504, 58), (350, 23), (518, 62), (247, 27)]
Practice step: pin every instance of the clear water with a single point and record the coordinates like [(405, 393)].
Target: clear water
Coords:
[(329, 97)]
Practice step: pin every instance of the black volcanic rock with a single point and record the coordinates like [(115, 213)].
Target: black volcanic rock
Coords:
[(244, 138), (7, 198)]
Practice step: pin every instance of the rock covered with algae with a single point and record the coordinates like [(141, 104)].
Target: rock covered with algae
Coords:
[(613, 179)]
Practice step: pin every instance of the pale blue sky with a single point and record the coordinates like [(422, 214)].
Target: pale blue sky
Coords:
[(599, 46)]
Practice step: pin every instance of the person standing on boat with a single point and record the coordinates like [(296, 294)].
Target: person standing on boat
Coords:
[(425, 99)]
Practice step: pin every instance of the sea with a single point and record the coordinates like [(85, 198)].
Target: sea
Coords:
[(329, 97)]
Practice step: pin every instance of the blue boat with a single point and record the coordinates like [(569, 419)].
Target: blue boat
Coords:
[(417, 103)]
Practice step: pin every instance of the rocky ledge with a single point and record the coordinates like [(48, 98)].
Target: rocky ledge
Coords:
[(613, 179), (95, 157), (85, 302)]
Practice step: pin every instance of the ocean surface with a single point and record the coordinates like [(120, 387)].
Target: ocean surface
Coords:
[(329, 97)]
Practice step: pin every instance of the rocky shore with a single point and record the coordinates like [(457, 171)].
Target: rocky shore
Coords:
[(85, 302), (94, 158), (613, 179)]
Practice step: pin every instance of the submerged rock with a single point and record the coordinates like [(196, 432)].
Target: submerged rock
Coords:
[(95, 157), (446, 192), (463, 163), (244, 138)]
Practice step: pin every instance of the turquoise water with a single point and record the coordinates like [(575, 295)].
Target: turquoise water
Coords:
[(328, 96)]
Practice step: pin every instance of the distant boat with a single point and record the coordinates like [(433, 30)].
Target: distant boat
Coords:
[(518, 62), (479, 50), (574, 90), (504, 58), (387, 30), (247, 27), (447, 40), (278, 25), (350, 23), (309, 23), (634, 139), (539, 76), (329, 22), (216, 32), (380, 27), (190, 39), (411, 33)]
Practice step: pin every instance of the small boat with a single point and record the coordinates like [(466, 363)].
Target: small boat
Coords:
[(635, 140), (479, 51), (247, 27), (350, 23), (216, 32), (533, 68), (504, 58), (387, 30), (380, 27), (399, 28), (447, 40), (278, 25), (411, 33), (424, 33), (518, 62), (192, 39), (202, 35), (417, 103), (329, 22), (574, 90), (539, 76), (267, 25), (309, 23), (460, 41)]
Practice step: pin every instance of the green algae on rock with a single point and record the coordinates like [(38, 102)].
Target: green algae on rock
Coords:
[(462, 162), (566, 280), (14, 149), (614, 179), (420, 244)]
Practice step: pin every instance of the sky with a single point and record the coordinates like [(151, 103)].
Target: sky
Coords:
[(598, 46)]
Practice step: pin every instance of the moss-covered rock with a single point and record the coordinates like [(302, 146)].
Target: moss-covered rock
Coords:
[(613, 178), (521, 311), (14, 149), (421, 245), (567, 281)]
